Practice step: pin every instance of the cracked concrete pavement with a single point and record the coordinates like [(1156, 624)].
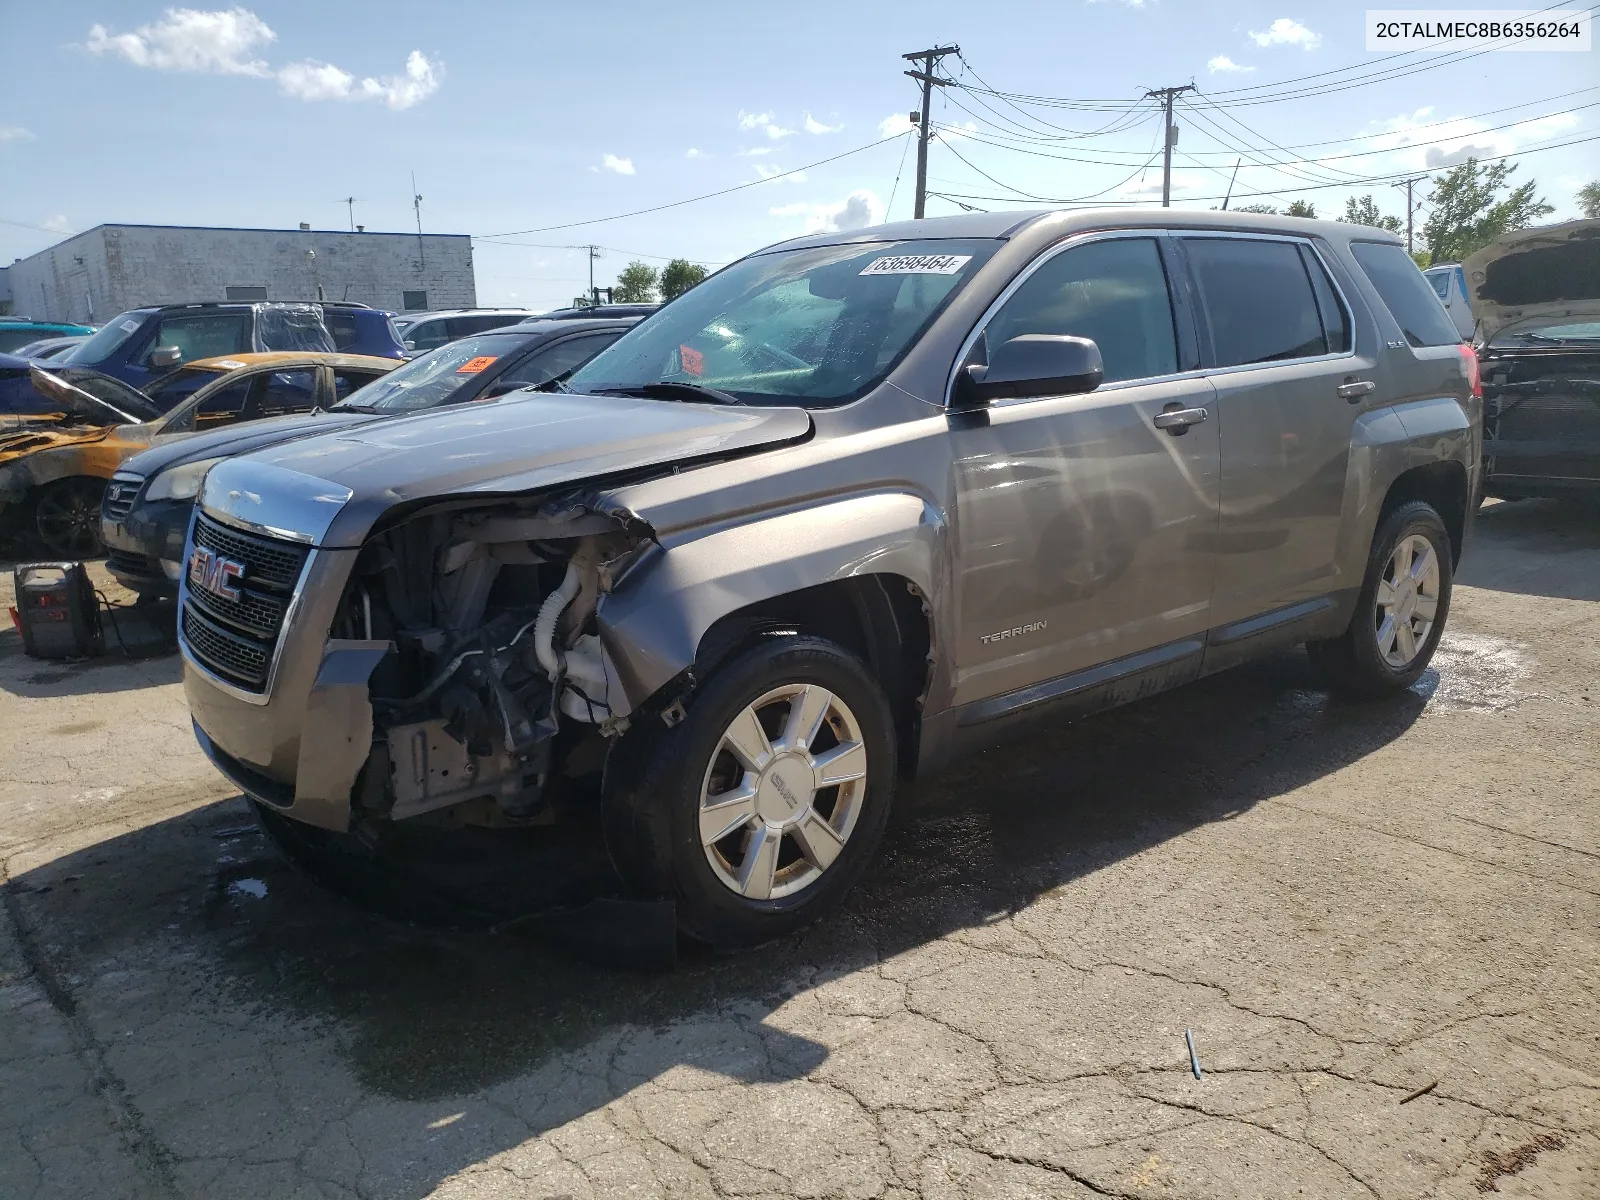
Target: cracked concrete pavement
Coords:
[(1379, 922)]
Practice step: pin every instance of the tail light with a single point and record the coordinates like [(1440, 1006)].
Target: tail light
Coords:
[(1469, 360)]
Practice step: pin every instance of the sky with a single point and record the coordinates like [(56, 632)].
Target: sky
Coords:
[(523, 123)]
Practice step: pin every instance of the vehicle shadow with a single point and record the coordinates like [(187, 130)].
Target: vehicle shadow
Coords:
[(1535, 548), (420, 1014)]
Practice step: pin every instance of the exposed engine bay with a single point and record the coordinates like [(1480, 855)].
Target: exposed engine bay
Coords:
[(496, 683)]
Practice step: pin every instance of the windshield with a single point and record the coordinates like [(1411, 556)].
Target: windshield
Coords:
[(433, 378), (816, 326), (1583, 331), (111, 336)]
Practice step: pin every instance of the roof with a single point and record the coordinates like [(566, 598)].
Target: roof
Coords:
[(565, 326), (1008, 224), (285, 358)]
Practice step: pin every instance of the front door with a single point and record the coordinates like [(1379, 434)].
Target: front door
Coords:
[(1084, 533), (1277, 342)]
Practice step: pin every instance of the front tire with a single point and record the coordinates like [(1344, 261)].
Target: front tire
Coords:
[(1400, 612), (760, 809), (64, 517)]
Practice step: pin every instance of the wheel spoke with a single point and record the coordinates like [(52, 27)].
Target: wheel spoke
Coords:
[(727, 812), (1386, 634), (840, 765), (818, 841), (1385, 593), (1423, 565), (1402, 560), (748, 740), (1406, 641), (1427, 607), (760, 863), (807, 708)]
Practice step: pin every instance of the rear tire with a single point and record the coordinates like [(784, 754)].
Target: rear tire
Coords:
[(760, 809), (1400, 612)]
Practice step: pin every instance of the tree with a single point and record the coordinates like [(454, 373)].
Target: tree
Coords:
[(1256, 208), (1589, 199), (678, 276), (1364, 211), (1468, 213), (1300, 208), (636, 284)]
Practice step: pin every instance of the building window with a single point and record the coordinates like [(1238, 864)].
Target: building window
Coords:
[(246, 291), (416, 301)]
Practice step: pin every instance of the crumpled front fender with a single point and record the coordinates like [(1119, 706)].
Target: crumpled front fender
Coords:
[(652, 622)]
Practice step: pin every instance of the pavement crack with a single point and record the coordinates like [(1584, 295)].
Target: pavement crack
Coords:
[(1527, 836)]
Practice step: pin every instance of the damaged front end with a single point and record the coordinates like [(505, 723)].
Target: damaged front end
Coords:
[(463, 676)]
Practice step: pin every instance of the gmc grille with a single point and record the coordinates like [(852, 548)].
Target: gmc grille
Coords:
[(235, 638)]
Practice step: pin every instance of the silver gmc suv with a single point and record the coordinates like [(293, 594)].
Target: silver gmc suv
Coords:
[(854, 505)]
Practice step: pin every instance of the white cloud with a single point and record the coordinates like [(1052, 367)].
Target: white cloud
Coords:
[(895, 123), (16, 133), (226, 42), (622, 166), (220, 42), (56, 224), (1420, 140), (755, 151), (1438, 156), (1284, 32), (1222, 63), (765, 122), (856, 211), (692, 152), (812, 125)]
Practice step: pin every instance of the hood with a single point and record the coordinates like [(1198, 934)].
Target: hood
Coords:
[(175, 449), (91, 395), (1541, 276), (537, 441)]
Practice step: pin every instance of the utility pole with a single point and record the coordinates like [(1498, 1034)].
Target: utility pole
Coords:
[(927, 59), (594, 293), (1411, 209), (1231, 179), (416, 205), (1167, 96)]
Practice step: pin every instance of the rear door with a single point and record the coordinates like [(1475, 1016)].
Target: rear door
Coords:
[(1276, 339), (1084, 532)]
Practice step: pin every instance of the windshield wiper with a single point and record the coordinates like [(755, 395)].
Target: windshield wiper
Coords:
[(360, 408), (669, 389)]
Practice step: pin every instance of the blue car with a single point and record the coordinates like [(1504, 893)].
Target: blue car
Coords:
[(143, 344), (17, 332)]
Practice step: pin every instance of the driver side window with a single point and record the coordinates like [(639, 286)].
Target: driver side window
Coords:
[(203, 336), (1114, 292)]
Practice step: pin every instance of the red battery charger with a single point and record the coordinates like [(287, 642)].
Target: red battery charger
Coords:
[(56, 611)]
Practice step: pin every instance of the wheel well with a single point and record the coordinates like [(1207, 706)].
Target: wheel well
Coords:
[(1441, 484), (882, 619)]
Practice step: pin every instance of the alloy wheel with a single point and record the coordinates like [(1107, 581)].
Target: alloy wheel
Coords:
[(66, 520), (783, 791), (1408, 600)]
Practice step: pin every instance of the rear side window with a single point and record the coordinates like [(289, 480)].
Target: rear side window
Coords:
[(1114, 292), (1257, 300), (1440, 281), (425, 335), (342, 327), (1335, 321), (1414, 305)]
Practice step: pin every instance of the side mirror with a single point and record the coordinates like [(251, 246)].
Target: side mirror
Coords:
[(164, 358), (1034, 364)]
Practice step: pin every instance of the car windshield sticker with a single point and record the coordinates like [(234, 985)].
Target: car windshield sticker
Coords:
[(129, 326), (232, 364), (694, 363), (473, 365), (917, 264)]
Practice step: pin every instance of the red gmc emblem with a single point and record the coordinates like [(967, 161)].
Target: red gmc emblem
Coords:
[(213, 573)]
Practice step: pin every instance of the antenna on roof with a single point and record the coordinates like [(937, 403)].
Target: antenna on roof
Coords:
[(350, 203), (416, 204)]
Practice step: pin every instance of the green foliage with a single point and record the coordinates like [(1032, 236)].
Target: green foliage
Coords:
[(636, 284), (1300, 208), (1422, 258), (1468, 212), (1364, 211), (1256, 208), (1589, 199), (678, 276)]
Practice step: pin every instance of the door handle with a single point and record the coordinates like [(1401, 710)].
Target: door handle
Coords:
[(1176, 421), (1355, 389)]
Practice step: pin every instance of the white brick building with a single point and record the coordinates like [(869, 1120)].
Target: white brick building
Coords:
[(94, 275)]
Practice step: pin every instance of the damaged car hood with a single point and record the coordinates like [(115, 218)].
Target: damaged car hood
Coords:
[(1536, 276), (534, 441)]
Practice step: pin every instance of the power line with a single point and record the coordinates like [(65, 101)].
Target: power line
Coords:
[(693, 199)]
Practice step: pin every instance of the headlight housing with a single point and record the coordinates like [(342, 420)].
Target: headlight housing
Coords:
[(181, 482)]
